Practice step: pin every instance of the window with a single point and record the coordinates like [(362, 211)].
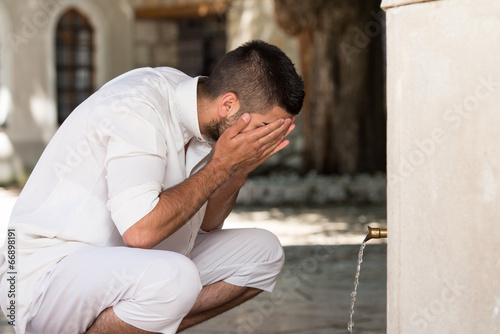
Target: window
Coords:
[(202, 43), (74, 62)]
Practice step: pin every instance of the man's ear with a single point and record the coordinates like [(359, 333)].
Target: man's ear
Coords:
[(228, 105)]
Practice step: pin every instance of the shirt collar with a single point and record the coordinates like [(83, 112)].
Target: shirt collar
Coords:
[(187, 109)]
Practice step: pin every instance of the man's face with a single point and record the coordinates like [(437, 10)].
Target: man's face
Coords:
[(215, 129)]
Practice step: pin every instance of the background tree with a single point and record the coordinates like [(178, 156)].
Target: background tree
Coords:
[(343, 70)]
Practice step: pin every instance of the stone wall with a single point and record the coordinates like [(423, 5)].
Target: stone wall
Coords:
[(27, 67), (156, 43), (443, 83)]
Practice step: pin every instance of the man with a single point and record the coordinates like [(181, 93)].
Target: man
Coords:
[(118, 229)]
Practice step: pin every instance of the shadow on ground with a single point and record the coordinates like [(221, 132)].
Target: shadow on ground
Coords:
[(312, 295)]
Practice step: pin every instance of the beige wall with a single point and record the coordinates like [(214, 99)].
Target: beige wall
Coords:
[(28, 46), (443, 166), (255, 19)]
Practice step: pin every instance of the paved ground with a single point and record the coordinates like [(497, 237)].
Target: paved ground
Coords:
[(312, 295)]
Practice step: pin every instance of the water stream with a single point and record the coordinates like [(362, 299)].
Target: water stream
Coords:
[(356, 282)]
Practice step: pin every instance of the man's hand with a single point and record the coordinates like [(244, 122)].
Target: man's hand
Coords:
[(236, 154), (238, 151), (265, 141)]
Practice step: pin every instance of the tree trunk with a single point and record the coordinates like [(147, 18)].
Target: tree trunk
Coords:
[(342, 67), (322, 103), (306, 46)]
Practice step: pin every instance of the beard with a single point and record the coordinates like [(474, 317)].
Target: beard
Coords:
[(216, 128)]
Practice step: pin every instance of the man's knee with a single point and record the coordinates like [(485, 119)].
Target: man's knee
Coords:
[(269, 247), (174, 281), (243, 257)]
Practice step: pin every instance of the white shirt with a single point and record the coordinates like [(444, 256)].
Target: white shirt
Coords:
[(103, 171)]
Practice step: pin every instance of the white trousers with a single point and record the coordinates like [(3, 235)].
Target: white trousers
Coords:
[(151, 289)]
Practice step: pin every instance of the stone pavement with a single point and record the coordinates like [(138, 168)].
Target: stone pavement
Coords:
[(312, 295)]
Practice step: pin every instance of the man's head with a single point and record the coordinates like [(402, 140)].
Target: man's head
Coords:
[(256, 78)]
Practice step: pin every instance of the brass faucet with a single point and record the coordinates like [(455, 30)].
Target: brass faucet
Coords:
[(376, 233)]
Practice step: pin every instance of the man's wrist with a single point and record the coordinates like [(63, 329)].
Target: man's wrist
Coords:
[(240, 177), (218, 171)]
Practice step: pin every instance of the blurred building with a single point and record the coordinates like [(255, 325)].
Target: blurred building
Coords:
[(55, 53)]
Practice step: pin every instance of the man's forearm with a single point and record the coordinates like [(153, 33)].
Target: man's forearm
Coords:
[(176, 206), (221, 202)]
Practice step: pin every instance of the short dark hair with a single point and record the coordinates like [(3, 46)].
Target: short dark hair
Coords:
[(261, 76)]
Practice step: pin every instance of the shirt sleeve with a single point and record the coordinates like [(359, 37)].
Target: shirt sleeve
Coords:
[(135, 163)]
